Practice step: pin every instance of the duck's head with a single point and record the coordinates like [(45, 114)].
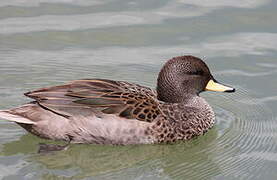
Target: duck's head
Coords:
[(185, 76)]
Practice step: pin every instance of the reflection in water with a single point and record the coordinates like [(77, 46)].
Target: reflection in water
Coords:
[(98, 160), (48, 42)]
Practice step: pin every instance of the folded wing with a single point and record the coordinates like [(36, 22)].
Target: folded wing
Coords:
[(99, 96)]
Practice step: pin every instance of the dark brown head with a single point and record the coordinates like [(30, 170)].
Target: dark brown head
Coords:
[(185, 76)]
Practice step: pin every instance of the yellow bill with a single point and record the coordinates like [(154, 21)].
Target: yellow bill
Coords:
[(215, 86)]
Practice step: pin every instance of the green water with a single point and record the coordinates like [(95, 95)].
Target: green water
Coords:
[(48, 42)]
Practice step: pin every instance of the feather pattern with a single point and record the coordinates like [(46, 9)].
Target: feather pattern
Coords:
[(120, 98)]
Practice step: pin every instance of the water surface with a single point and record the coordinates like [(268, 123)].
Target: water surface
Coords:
[(48, 42)]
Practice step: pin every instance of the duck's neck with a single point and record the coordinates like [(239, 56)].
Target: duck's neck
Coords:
[(187, 99), (197, 101), (173, 95), (171, 91)]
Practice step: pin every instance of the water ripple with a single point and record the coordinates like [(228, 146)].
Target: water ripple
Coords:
[(239, 143), (33, 3), (172, 9), (224, 3), (226, 46), (246, 135)]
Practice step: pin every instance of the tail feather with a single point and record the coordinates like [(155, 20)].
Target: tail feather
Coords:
[(16, 118)]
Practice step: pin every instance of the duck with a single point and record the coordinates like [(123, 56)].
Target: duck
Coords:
[(103, 111)]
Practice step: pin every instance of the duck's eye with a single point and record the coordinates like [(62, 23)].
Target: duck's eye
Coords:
[(199, 73)]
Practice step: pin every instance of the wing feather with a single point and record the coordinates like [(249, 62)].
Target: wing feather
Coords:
[(98, 96)]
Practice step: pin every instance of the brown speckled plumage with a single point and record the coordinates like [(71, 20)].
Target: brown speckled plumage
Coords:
[(181, 121), (116, 112)]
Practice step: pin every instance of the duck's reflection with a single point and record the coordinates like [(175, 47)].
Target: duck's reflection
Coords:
[(193, 159)]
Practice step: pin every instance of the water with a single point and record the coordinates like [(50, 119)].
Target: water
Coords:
[(48, 42)]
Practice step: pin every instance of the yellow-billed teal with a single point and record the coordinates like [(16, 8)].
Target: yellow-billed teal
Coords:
[(117, 112)]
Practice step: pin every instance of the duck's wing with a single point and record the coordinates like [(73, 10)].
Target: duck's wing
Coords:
[(99, 96)]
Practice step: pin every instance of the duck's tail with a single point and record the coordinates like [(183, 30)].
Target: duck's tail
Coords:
[(11, 116)]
